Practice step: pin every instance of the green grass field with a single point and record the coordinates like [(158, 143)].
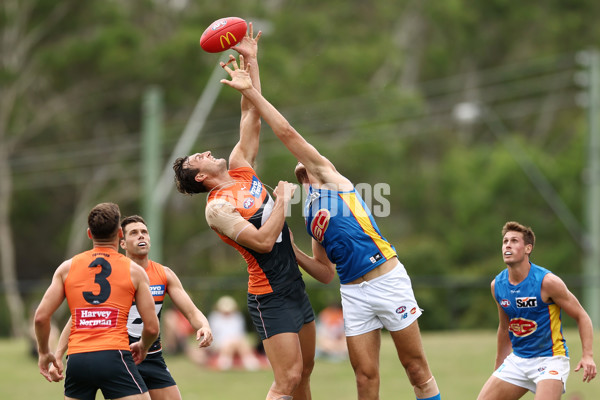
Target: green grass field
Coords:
[(461, 362)]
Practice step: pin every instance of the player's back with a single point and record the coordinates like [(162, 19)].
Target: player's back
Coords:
[(99, 292)]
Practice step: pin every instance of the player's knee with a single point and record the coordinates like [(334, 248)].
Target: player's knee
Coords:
[(290, 379), (367, 378), (307, 367), (417, 371)]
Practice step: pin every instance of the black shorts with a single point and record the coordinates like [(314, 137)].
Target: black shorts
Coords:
[(154, 372), (111, 371), (284, 311)]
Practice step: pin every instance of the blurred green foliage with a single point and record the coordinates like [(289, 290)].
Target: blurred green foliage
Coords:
[(372, 85)]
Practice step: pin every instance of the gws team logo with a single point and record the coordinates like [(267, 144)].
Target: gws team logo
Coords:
[(521, 327), (505, 303), (526, 302), (319, 224), (249, 202)]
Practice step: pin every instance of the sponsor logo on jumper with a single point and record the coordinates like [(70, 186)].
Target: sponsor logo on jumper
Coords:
[(505, 303), (319, 224), (376, 257), (522, 327), (526, 302), (101, 317), (248, 203), (256, 188), (157, 290)]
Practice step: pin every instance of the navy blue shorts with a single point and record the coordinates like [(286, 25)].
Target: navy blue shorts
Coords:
[(285, 311), (154, 372), (111, 371)]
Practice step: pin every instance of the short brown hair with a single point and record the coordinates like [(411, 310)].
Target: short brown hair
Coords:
[(131, 220), (185, 178), (528, 235), (103, 220)]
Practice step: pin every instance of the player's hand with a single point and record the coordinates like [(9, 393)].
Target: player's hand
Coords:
[(589, 368), (138, 352), (44, 360), (285, 191), (240, 76), (56, 373), (204, 337), (248, 46)]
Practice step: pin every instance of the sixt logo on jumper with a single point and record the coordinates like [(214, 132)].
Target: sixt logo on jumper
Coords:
[(157, 290), (526, 302)]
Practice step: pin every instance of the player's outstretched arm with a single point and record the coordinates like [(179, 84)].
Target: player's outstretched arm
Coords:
[(307, 154), (184, 303), (246, 150)]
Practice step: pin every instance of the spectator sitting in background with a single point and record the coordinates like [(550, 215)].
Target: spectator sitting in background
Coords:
[(331, 340), (230, 338)]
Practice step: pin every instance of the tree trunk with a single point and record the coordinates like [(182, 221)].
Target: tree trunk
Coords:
[(7, 249)]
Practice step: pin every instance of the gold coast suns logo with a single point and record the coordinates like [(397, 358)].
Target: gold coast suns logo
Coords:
[(319, 224), (522, 327)]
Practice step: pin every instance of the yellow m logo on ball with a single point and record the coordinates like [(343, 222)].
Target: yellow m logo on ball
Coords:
[(226, 38)]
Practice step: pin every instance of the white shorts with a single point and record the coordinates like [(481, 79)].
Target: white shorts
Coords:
[(527, 372), (386, 302)]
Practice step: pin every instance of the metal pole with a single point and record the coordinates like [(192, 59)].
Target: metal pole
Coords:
[(591, 296), (151, 162)]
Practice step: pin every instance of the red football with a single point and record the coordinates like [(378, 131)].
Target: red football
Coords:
[(223, 34)]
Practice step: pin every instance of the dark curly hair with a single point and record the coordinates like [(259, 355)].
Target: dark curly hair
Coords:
[(185, 178)]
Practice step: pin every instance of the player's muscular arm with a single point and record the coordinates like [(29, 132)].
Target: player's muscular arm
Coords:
[(222, 217), (318, 266), (184, 303), (307, 154), (555, 290), (503, 345), (246, 150)]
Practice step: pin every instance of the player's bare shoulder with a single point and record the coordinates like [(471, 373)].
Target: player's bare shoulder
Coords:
[(222, 216)]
